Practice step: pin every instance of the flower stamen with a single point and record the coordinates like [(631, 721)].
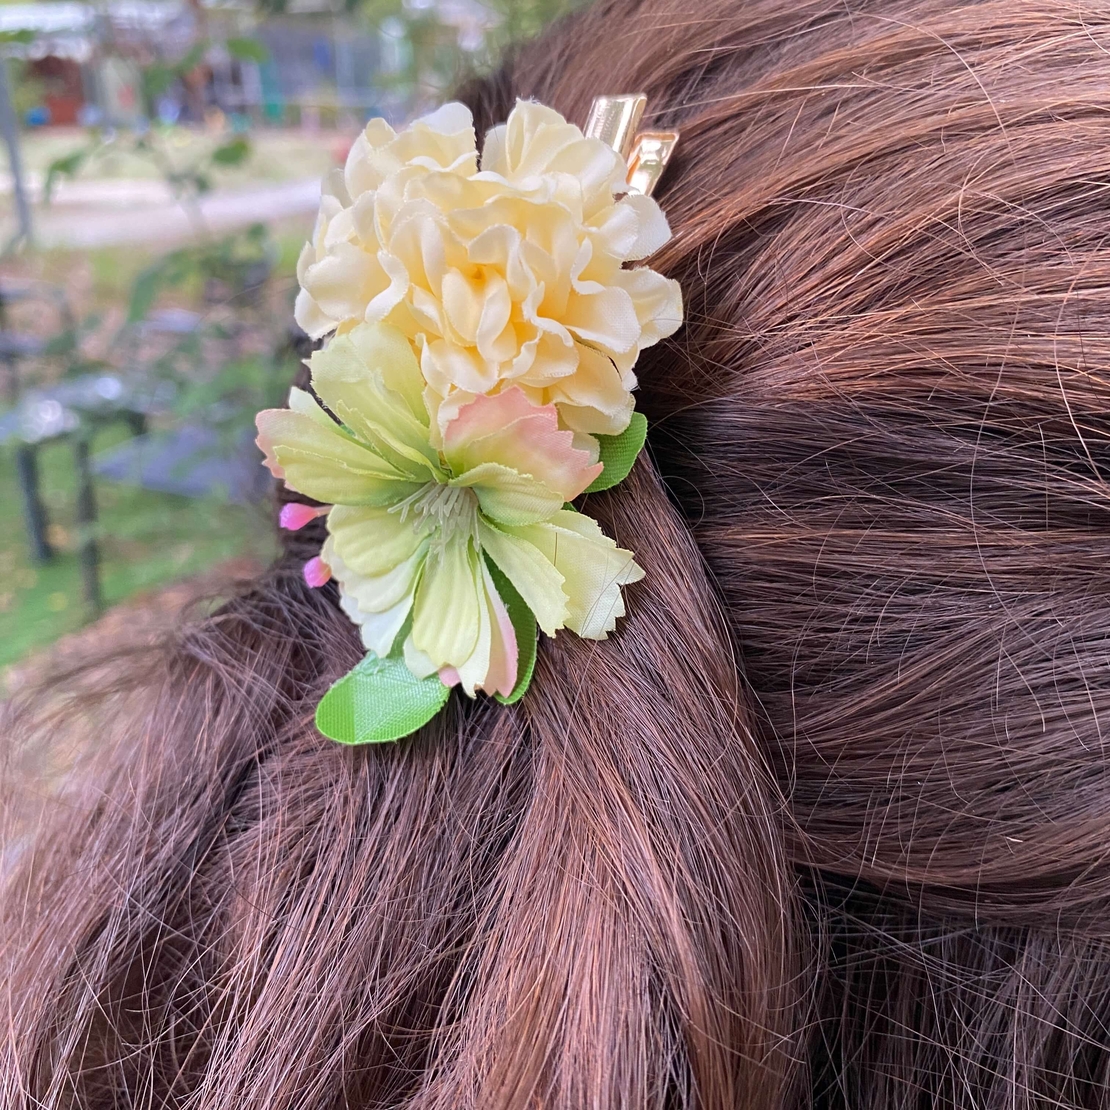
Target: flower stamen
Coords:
[(450, 512)]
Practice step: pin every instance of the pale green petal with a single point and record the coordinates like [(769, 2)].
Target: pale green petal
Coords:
[(378, 630), (534, 575), (473, 669), (492, 665), (502, 671), (327, 465), (421, 665), (446, 618), (594, 569), (508, 497), (356, 392), (389, 351), (381, 592), (304, 403), (372, 541), (380, 606)]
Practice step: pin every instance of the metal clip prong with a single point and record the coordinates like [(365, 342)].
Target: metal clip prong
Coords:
[(649, 159)]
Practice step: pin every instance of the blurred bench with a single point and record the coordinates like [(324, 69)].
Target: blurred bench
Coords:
[(190, 460), (72, 408)]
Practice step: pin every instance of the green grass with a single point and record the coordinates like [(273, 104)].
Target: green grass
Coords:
[(146, 540)]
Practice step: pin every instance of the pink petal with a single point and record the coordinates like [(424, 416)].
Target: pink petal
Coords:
[(503, 652), (266, 444), (485, 415), (316, 572), (449, 676), (294, 515), (509, 429)]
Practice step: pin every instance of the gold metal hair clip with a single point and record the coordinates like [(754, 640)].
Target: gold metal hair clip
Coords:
[(614, 120)]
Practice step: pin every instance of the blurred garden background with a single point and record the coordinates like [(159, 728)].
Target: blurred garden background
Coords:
[(163, 160)]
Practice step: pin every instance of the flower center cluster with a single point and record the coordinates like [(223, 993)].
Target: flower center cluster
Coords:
[(450, 512)]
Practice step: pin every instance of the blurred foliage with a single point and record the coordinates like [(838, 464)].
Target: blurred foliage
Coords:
[(26, 89), (523, 19), (160, 76), (228, 402), (432, 56), (247, 50), (242, 262), (67, 347), (519, 18), (280, 7), (188, 183), (435, 59), (216, 375), (232, 272)]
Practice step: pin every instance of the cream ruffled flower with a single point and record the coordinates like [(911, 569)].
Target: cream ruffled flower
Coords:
[(509, 276), (412, 525)]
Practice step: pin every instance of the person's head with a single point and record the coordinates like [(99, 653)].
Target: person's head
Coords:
[(827, 821)]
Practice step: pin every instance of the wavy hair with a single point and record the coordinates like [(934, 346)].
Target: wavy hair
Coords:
[(827, 822)]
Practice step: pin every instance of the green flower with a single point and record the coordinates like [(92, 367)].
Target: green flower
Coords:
[(414, 526)]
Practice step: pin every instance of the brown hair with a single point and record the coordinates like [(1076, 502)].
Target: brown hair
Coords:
[(827, 822)]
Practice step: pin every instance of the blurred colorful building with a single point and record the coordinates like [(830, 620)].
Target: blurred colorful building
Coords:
[(324, 69)]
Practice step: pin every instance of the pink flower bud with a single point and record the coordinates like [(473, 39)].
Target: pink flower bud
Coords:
[(295, 515), (316, 572)]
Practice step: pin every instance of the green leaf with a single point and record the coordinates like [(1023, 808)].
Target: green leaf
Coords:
[(21, 38), (524, 625), (618, 453), (143, 297), (379, 701), (192, 59), (62, 344), (248, 50), (157, 78), (171, 270), (67, 166), (231, 153)]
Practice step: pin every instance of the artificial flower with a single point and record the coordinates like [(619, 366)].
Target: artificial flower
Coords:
[(414, 524), (508, 276)]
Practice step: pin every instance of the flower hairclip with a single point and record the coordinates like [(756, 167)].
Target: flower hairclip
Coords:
[(477, 377)]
